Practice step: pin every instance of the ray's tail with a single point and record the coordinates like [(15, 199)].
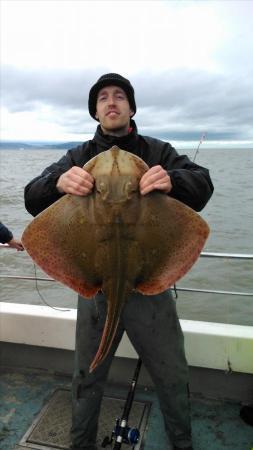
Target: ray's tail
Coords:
[(116, 295)]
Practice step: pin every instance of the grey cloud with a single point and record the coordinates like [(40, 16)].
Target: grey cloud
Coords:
[(25, 89), (209, 102), (177, 103)]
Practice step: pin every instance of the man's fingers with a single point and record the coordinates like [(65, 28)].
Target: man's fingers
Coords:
[(77, 188), (155, 178), (75, 181), (79, 172), (153, 171)]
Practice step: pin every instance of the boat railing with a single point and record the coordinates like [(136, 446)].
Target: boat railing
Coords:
[(218, 255)]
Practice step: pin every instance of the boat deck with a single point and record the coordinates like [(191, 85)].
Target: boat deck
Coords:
[(25, 393)]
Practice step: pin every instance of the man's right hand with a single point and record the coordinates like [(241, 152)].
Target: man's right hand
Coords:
[(75, 181)]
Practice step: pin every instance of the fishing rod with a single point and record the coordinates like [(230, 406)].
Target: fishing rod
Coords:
[(122, 433), (200, 142)]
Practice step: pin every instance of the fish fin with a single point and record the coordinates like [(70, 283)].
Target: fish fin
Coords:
[(62, 241), (174, 237)]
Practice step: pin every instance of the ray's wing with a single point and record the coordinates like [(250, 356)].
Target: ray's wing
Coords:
[(171, 243), (62, 239)]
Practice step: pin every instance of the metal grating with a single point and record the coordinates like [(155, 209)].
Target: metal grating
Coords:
[(50, 430)]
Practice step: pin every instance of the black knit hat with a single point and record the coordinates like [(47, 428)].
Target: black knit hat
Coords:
[(110, 79)]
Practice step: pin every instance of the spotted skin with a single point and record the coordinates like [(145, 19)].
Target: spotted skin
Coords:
[(115, 239)]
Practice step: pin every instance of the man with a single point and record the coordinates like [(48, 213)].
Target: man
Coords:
[(151, 322)]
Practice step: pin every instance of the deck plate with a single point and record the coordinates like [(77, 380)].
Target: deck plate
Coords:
[(50, 430)]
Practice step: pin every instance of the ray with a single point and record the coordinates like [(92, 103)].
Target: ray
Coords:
[(116, 240)]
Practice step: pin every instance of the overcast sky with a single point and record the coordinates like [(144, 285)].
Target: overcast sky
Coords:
[(191, 64)]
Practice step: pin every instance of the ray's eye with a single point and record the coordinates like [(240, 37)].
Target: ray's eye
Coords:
[(129, 188), (101, 187)]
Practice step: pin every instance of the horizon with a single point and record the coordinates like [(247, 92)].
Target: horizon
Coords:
[(184, 144)]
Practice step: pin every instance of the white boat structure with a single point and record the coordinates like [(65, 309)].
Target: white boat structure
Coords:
[(38, 341)]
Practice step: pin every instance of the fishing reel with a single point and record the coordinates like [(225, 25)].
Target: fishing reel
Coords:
[(130, 435), (122, 435)]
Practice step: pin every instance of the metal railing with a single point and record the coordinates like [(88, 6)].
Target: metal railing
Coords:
[(220, 256), (226, 255), (178, 288)]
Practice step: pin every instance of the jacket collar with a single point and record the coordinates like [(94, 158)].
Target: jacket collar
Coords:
[(128, 142)]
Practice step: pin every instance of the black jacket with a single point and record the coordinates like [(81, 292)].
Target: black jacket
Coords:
[(191, 183), (5, 234)]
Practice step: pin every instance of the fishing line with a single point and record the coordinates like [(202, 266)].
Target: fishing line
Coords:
[(41, 296), (175, 291)]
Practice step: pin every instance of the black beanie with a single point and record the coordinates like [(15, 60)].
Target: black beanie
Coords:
[(110, 79)]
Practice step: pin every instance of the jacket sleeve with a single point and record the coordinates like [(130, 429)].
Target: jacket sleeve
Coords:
[(41, 192), (191, 183), (5, 234)]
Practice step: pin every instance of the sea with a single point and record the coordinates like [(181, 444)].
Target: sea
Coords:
[(229, 214)]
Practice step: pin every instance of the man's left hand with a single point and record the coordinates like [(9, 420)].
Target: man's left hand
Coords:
[(155, 178)]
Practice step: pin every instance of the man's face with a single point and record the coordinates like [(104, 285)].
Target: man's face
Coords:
[(113, 110)]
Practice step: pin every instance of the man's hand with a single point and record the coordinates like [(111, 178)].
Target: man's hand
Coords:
[(155, 178), (75, 181), (17, 244)]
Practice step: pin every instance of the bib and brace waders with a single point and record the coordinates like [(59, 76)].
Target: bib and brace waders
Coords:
[(152, 325)]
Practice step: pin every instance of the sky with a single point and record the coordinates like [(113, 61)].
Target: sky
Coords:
[(190, 63)]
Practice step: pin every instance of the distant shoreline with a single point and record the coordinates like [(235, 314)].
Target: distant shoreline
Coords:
[(67, 147), (37, 146), (180, 146)]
